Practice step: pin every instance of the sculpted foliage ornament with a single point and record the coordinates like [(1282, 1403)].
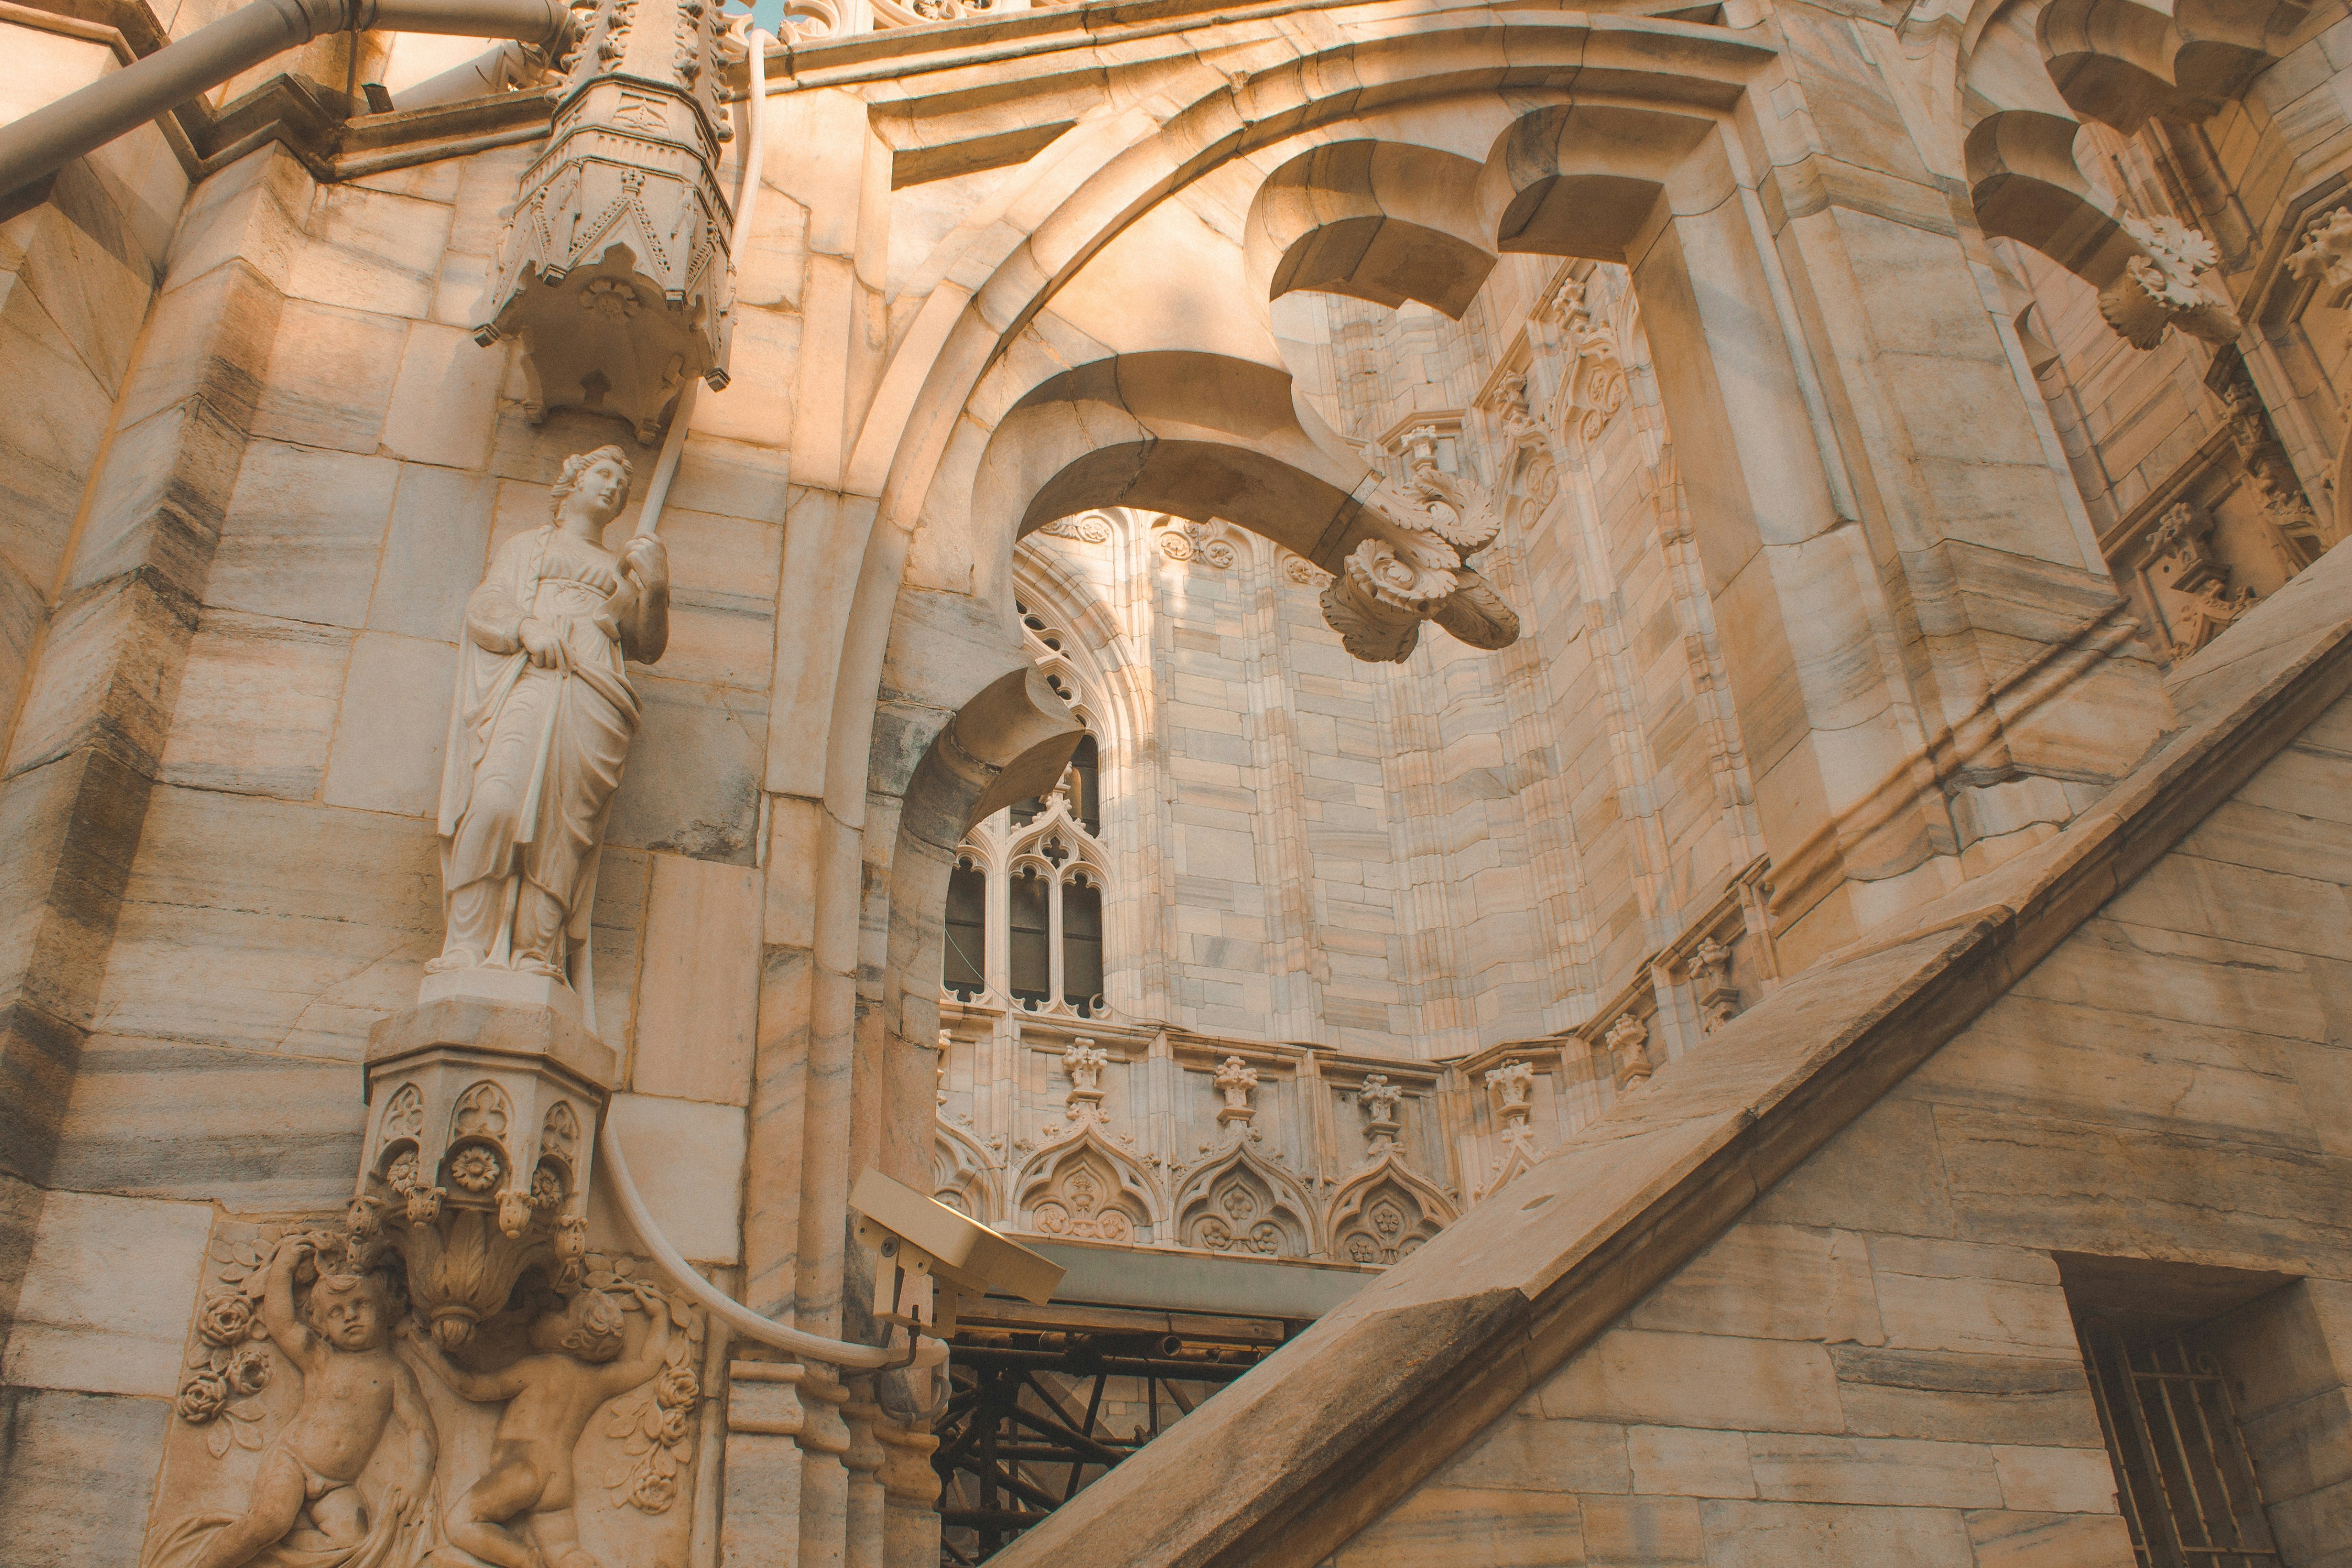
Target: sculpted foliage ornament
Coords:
[(1393, 581), (2326, 255), (2159, 287), (1087, 528)]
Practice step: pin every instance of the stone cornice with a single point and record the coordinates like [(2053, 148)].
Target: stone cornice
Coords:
[(331, 144)]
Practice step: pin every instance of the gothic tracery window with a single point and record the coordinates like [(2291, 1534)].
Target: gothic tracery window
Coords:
[(1024, 920)]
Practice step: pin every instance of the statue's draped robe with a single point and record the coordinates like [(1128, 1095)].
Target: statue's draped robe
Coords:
[(534, 755)]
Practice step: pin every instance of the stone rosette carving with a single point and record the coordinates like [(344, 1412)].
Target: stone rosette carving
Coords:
[(1183, 539), (1086, 528), (2159, 287)]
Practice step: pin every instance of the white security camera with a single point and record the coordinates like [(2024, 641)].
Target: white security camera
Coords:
[(930, 1253)]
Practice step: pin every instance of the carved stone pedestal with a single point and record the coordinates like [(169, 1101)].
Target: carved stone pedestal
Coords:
[(479, 1150)]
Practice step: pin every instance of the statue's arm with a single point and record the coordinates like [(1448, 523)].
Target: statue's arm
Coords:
[(493, 619), (644, 628), (277, 1315), (647, 1362), (477, 1387)]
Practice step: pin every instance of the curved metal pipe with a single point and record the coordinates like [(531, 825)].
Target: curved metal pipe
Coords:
[(926, 1351), (50, 137)]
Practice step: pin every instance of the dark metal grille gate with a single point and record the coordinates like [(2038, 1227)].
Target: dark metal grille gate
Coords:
[(2182, 1474), (1034, 1416)]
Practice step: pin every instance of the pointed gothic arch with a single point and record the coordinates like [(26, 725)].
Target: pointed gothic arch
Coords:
[(1384, 1213), (965, 1176), (1086, 1188), (1236, 1201)]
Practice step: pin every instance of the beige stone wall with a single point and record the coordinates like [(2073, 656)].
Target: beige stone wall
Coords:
[(1877, 1364)]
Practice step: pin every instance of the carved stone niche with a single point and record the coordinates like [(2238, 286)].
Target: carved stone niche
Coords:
[(613, 270), (479, 1150)]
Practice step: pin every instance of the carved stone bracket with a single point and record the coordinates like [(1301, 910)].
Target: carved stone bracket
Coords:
[(2159, 287), (2326, 255), (1389, 585), (479, 1152), (614, 268)]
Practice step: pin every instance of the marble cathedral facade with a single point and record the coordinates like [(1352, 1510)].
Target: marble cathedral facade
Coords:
[(1601, 754)]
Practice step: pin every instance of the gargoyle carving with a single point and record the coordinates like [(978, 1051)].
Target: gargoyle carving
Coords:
[(1389, 585)]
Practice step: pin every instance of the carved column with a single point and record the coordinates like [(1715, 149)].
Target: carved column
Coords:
[(863, 1517), (911, 1490), (765, 1418)]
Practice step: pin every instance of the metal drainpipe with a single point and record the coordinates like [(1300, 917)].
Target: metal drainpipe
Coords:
[(46, 140)]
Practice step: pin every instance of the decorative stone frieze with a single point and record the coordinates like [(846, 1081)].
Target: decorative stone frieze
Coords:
[(613, 270), (321, 1424)]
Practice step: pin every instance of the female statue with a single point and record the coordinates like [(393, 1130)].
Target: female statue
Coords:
[(540, 725)]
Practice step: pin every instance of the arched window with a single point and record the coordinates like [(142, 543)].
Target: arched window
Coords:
[(1082, 946), (963, 964), (1087, 765), (1034, 937), (1031, 946)]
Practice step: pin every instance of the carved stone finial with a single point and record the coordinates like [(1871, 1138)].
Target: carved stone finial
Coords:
[(1084, 1061), (1628, 1040), (1515, 1081), (1235, 1079), (2159, 287), (1710, 972), (1380, 1098)]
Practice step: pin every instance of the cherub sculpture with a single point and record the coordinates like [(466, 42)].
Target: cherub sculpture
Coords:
[(355, 1390), (576, 1366)]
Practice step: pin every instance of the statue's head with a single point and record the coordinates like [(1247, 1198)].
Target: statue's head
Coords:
[(588, 1328), (597, 480), (351, 1312)]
